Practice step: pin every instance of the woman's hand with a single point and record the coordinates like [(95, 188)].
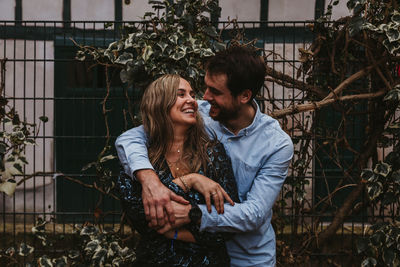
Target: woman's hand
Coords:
[(209, 189)]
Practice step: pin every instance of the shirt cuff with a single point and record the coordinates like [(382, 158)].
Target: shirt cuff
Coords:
[(208, 220), (139, 165)]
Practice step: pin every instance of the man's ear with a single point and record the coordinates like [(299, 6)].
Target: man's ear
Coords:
[(245, 96)]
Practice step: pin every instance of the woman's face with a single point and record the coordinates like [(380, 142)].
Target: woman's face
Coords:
[(184, 110)]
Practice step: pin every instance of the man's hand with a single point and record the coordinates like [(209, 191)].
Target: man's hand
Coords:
[(157, 199), (181, 212)]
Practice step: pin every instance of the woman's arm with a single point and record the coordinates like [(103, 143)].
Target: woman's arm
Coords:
[(207, 187), (182, 235)]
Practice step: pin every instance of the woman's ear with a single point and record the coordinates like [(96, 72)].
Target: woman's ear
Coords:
[(245, 96)]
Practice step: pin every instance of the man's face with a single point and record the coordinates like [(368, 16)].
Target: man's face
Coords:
[(224, 106)]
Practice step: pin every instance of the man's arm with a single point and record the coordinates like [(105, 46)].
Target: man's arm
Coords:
[(132, 152), (251, 214)]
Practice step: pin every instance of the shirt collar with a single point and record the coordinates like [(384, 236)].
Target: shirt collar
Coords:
[(247, 130)]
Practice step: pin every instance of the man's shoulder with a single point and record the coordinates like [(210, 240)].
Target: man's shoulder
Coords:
[(270, 129)]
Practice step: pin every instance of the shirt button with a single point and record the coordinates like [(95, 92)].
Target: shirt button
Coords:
[(229, 140)]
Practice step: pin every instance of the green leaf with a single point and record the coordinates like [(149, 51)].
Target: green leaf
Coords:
[(383, 169), (44, 261), (3, 101), (10, 251), (29, 142), (218, 46), (73, 254), (362, 244), (392, 95), (396, 17), (89, 230), (108, 25), (211, 31), (335, 2), (3, 147), (389, 198), (88, 166), (99, 257), (25, 250), (369, 262), (107, 158), (92, 246), (389, 256), (60, 262), (23, 160), (162, 45), (124, 58), (206, 52), (44, 119), (147, 52), (18, 167), (8, 187), (374, 190), (173, 38), (80, 55), (393, 34), (178, 55), (355, 25), (396, 177)]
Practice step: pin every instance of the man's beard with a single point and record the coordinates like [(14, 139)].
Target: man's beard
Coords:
[(225, 114)]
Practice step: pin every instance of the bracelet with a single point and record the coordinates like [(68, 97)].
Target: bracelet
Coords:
[(172, 241), (187, 188)]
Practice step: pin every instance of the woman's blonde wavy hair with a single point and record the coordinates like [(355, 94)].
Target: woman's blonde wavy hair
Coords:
[(157, 101)]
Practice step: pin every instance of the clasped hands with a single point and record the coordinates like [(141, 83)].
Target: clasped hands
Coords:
[(165, 210)]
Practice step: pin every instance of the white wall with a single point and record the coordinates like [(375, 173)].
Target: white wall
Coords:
[(7, 9), (42, 9), (339, 10), (32, 79), (291, 10), (241, 10), (135, 10)]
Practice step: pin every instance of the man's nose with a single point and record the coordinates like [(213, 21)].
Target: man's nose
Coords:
[(206, 95)]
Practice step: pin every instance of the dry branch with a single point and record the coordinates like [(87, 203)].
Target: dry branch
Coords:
[(279, 76), (317, 105)]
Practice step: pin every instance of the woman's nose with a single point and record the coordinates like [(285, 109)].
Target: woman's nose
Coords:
[(190, 99)]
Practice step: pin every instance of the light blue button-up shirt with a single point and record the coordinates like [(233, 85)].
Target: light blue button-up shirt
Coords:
[(260, 155)]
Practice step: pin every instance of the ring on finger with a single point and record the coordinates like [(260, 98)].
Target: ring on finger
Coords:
[(213, 193)]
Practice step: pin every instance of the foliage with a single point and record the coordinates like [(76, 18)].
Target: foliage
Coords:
[(382, 246), (96, 247), (16, 135), (349, 84), (177, 41)]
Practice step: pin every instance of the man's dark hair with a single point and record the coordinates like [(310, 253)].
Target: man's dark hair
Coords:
[(243, 67)]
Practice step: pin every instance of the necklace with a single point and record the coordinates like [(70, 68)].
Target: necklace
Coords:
[(171, 163)]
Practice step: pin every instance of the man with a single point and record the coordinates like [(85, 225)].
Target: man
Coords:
[(259, 149)]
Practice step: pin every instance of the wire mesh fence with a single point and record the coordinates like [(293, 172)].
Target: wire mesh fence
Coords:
[(42, 79)]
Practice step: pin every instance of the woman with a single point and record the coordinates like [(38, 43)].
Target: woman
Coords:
[(182, 156)]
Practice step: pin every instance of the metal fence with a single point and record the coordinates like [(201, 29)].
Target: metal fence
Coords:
[(42, 78)]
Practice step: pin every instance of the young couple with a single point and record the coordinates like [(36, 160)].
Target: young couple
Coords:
[(174, 171)]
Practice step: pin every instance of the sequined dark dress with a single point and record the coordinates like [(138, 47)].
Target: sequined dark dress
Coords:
[(155, 249)]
